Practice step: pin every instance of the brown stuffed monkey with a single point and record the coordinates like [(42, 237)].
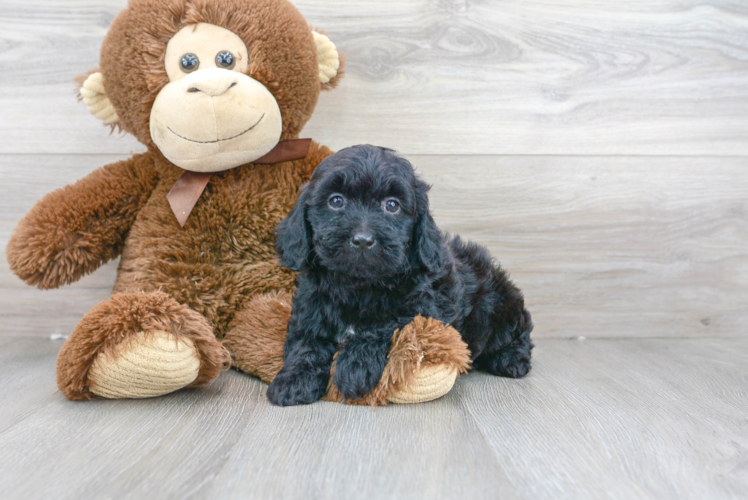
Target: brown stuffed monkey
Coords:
[(218, 91)]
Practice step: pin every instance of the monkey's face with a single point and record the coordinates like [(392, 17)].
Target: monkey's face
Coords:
[(211, 116), (211, 86)]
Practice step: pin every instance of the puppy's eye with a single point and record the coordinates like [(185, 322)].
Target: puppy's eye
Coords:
[(336, 201), (392, 206)]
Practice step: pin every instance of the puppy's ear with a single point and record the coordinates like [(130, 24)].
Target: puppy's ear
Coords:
[(427, 240), (294, 238)]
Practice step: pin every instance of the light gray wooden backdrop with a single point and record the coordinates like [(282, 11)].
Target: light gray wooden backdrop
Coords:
[(598, 148)]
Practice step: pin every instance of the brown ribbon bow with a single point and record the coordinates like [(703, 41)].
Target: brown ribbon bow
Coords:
[(188, 188)]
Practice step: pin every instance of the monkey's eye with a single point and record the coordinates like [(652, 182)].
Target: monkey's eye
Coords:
[(392, 206), (225, 59), (336, 202), (189, 63)]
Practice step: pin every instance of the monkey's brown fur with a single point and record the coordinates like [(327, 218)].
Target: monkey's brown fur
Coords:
[(218, 276)]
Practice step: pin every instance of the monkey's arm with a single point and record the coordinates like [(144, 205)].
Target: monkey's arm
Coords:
[(75, 229)]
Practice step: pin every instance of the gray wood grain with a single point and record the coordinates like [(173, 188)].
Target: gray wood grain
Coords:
[(614, 246), (641, 418), (621, 419), (602, 246), (448, 77)]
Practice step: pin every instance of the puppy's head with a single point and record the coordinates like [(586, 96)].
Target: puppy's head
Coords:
[(364, 213)]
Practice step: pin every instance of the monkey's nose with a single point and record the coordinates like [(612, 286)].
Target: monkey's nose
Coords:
[(213, 86), (362, 241)]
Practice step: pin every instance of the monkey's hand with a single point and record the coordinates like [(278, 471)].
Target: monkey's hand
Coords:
[(75, 229)]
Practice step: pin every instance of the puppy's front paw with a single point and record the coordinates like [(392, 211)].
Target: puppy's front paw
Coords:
[(288, 389), (355, 377), (517, 367), (513, 361)]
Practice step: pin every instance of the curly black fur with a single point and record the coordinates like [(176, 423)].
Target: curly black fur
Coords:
[(371, 259)]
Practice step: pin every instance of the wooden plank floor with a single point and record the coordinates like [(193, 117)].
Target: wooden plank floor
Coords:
[(643, 418), (599, 149)]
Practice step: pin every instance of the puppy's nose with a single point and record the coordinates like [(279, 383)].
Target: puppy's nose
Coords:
[(362, 241)]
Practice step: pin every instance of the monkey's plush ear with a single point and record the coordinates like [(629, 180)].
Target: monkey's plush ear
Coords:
[(94, 97), (329, 60), (294, 236)]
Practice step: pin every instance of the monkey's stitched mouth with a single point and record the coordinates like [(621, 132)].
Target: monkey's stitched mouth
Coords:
[(217, 140)]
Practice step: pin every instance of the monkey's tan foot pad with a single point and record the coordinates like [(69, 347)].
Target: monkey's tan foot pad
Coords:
[(149, 365), (428, 383), (108, 355)]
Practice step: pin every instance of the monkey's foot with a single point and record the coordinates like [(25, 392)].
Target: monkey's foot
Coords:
[(429, 383), (149, 365), (138, 346), (424, 361)]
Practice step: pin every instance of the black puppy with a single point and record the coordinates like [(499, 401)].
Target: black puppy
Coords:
[(371, 259)]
